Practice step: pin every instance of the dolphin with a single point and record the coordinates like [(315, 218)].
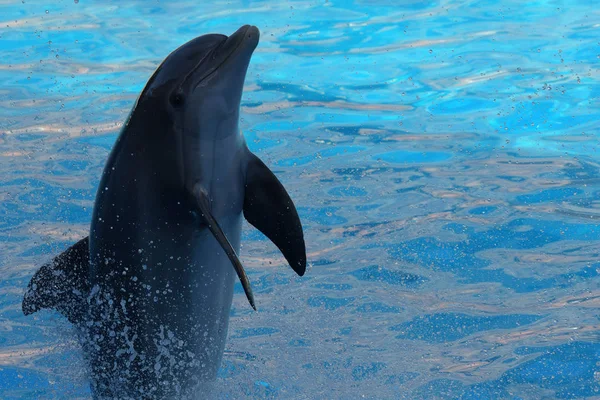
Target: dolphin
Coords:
[(150, 289)]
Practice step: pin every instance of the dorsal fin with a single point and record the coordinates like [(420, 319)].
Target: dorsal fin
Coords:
[(62, 284)]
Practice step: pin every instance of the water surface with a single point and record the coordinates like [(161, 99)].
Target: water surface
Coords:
[(443, 157)]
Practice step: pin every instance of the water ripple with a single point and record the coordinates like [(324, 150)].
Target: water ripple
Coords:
[(442, 155)]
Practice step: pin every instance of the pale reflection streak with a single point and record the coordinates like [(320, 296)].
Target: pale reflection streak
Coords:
[(25, 356), (395, 46), (70, 130), (59, 232), (591, 299), (336, 104), (546, 335), (444, 7), (79, 130)]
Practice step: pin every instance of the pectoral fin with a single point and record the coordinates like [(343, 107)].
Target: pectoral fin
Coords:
[(61, 284), (268, 207), (203, 204)]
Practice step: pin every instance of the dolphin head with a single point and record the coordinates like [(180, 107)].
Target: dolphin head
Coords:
[(198, 87)]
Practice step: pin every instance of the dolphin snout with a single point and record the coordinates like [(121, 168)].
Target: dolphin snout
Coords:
[(246, 36)]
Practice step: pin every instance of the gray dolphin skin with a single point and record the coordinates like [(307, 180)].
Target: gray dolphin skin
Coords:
[(150, 289)]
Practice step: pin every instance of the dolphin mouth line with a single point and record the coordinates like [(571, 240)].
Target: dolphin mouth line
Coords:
[(216, 69)]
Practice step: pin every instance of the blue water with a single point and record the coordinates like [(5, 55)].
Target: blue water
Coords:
[(443, 156)]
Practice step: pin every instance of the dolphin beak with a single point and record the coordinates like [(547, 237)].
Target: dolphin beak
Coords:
[(233, 53), (241, 44), (247, 37)]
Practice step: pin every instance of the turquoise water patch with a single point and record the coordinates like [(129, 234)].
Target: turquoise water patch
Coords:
[(348, 191), (321, 155), (461, 105), (565, 371), (245, 333), (375, 273), (482, 210), (445, 327), (377, 308), (105, 141), (568, 367), (257, 144), (19, 383), (333, 286), (329, 303), (551, 195), (325, 216), (264, 283), (517, 234), (300, 343), (369, 371), (413, 157)]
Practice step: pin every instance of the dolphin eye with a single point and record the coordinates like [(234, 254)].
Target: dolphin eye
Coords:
[(177, 100)]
